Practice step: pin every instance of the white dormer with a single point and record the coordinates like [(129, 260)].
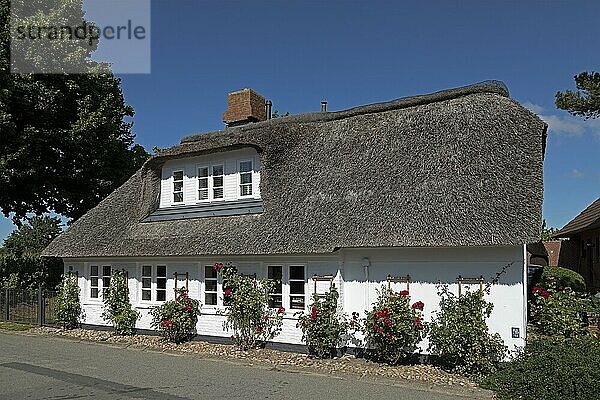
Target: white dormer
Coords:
[(212, 178)]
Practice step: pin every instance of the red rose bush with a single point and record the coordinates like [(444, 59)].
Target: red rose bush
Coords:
[(176, 319)]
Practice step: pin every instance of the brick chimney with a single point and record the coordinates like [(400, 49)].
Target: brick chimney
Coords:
[(244, 106)]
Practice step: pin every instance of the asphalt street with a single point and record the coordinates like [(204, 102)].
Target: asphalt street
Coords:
[(35, 367)]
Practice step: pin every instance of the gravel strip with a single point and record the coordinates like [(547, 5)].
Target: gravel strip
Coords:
[(271, 358)]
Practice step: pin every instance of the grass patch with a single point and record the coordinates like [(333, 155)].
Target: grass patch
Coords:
[(13, 326)]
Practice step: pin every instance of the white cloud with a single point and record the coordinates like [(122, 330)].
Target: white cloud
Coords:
[(565, 124), (535, 108), (575, 173)]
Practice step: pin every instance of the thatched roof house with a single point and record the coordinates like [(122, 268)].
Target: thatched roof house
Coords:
[(460, 167)]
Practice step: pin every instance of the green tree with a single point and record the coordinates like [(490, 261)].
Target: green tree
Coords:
[(33, 236), (547, 232), (65, 140), (585, 101)]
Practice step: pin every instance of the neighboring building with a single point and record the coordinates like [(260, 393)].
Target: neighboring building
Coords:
[(432, 187), (583, 253)]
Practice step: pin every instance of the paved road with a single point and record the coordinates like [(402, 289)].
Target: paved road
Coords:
[(33, 367)]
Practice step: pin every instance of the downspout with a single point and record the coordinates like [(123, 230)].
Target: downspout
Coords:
[(366, 264)]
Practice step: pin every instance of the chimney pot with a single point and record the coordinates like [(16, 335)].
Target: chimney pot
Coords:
[(268, 108), (244, 106), (324, 106)]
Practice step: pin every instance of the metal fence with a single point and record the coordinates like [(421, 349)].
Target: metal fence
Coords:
[(28, 306)]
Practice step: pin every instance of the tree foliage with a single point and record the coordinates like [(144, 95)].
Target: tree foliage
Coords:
[(65, 140), (585, 101), (547, 232), (32, 237)]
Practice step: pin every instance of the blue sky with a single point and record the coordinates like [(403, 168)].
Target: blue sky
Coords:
[(359, 52)]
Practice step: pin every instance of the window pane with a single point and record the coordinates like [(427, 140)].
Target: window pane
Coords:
[(245, 190), (203, 194), (210, 299), (218, 193), (105, 282), (161, 270), (146, 295), (246, 166), (297, 287), (218, 181), (202, 183), (210, 285), (209, 272), (217, 170), (178, 175), (146, 270), (297, 302), (177, 186), (275, 301), (297, 272), (178, 197), (94, 270), (245, 178), (106, 270), (161, 295), (94, 282), (202, 172), (161, 283), (94, 293), (146, 283), (275, 272)]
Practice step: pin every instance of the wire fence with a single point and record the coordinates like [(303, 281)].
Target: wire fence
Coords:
[(34, 307)]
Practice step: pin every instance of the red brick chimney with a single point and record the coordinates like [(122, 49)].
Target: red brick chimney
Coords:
[(244, 106)]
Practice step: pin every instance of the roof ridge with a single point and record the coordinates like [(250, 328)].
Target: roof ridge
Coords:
[(489, 86)]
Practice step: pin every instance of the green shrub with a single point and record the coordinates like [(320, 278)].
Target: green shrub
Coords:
[(68, 307), (176, 319), (557, 311), (247, 309), (563, 277), (393, 328), (117, 307), (460, 336), (324, 328), (551, 370)]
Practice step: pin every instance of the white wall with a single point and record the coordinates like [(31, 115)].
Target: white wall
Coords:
[(426, 266), (190, 185)]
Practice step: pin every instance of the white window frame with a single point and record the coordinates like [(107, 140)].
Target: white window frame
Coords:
[(98, 285), (289, 291), (101, 279), (212, 181), (280, 294), (166, 278), (239, 178), (173, 191), (142, 288), (198, 188), (153, 283), (204, 291)]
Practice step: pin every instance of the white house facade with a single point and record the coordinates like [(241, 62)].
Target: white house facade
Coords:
[(437, 189)]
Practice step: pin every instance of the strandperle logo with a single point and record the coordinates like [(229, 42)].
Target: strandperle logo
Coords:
[(88, 32), (77, 36)]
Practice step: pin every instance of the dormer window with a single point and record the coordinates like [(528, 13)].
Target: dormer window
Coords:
[(245, 178), (217, 177), (177, 186), (203, 183)]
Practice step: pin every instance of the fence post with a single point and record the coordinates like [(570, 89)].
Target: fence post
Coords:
[(6, 305), (41, 307)]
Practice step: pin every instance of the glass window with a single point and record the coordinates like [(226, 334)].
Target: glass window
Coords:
[(178, 187), (203, 183), (147, 282), (217, 177), (94, 281), (210, 285), (245, 178), (297, 284), (105, 276), (275, 273), (161, 282)]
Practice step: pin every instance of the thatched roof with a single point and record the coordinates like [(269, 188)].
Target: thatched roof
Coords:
[(587, 219), (454, 168)]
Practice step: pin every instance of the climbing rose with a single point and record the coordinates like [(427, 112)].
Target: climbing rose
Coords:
[(313, 312), (418, 305), (280, 310), (218, 266), (232, 337), (404, 293), (266, 318), (227, 292)]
